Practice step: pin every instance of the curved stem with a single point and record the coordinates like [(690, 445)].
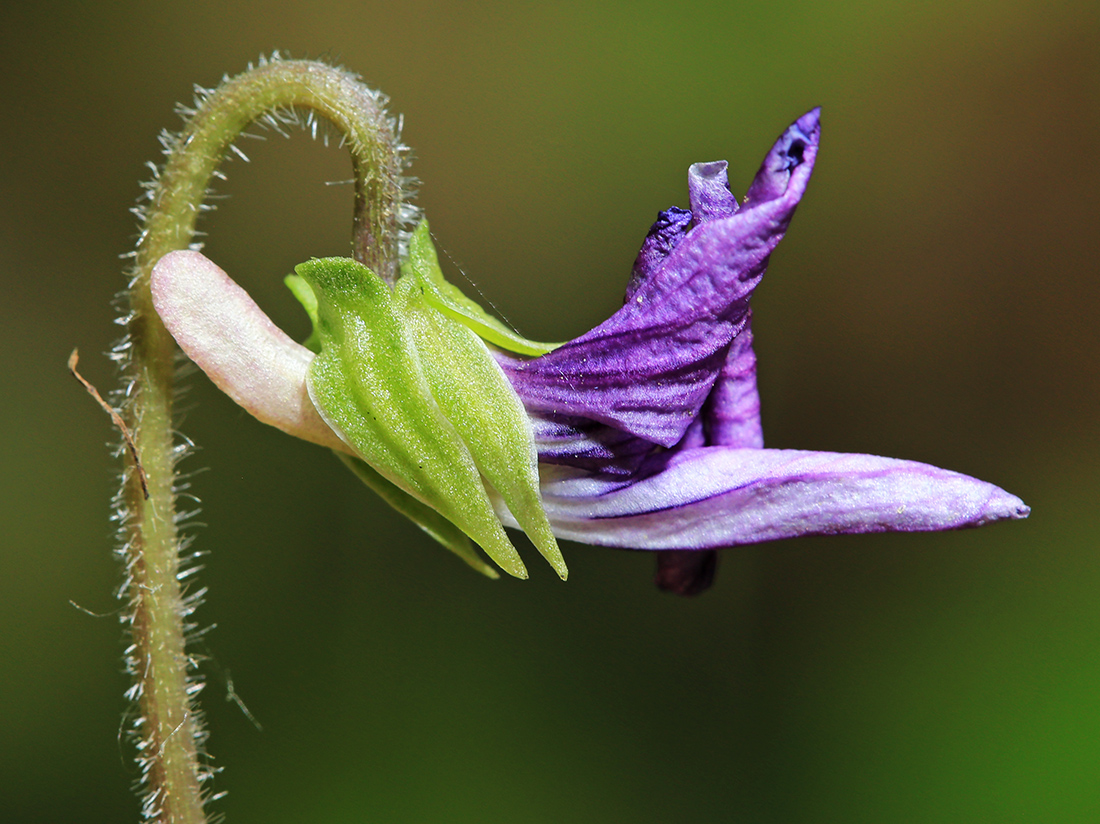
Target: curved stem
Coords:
[(168, 725)]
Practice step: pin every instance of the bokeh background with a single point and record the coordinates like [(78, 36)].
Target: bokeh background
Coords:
[(936, 299)]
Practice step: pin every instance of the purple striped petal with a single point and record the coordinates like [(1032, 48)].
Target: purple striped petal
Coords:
[(719, 496), (585, 444), (730, 417), (648, 369)]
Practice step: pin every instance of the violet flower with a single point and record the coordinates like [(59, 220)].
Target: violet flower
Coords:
[(647, 428)]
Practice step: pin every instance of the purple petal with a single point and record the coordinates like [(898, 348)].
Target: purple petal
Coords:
[(647, 383), (649, 367), (731, 415), (664, 235), (709, 191), (797, 146), (719, 496), (710, 271)]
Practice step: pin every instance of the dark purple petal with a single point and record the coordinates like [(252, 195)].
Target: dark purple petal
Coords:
[(649, 383), (720, 260), (719, 496), (664, 235), (730, 417), (649, 367)]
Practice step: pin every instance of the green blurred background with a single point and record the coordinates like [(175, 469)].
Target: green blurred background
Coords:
[(936, 299)]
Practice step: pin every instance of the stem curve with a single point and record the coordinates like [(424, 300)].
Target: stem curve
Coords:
[(168, 725)]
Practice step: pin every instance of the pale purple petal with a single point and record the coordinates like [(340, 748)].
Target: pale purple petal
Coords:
[(719, 496), (229, 337), (649, 367), (709, 192)]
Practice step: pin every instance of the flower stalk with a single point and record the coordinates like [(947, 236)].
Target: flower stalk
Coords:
[(168, 725)]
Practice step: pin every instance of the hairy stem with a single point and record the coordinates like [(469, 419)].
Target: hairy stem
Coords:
[(169, 728)]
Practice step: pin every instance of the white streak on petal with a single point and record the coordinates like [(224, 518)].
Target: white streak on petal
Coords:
[(231, 339)]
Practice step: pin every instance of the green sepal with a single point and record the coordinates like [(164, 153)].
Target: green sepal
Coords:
[(423, 516), (479, 401), (304, 293), (451, 301), (369, 386)]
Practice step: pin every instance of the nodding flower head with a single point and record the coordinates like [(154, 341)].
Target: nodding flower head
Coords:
[(643, 433)]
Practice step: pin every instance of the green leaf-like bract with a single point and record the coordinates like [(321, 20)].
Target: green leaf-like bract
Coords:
[(420, 514), (451, 301), (416, 393), (304, 293), (478, 400)]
